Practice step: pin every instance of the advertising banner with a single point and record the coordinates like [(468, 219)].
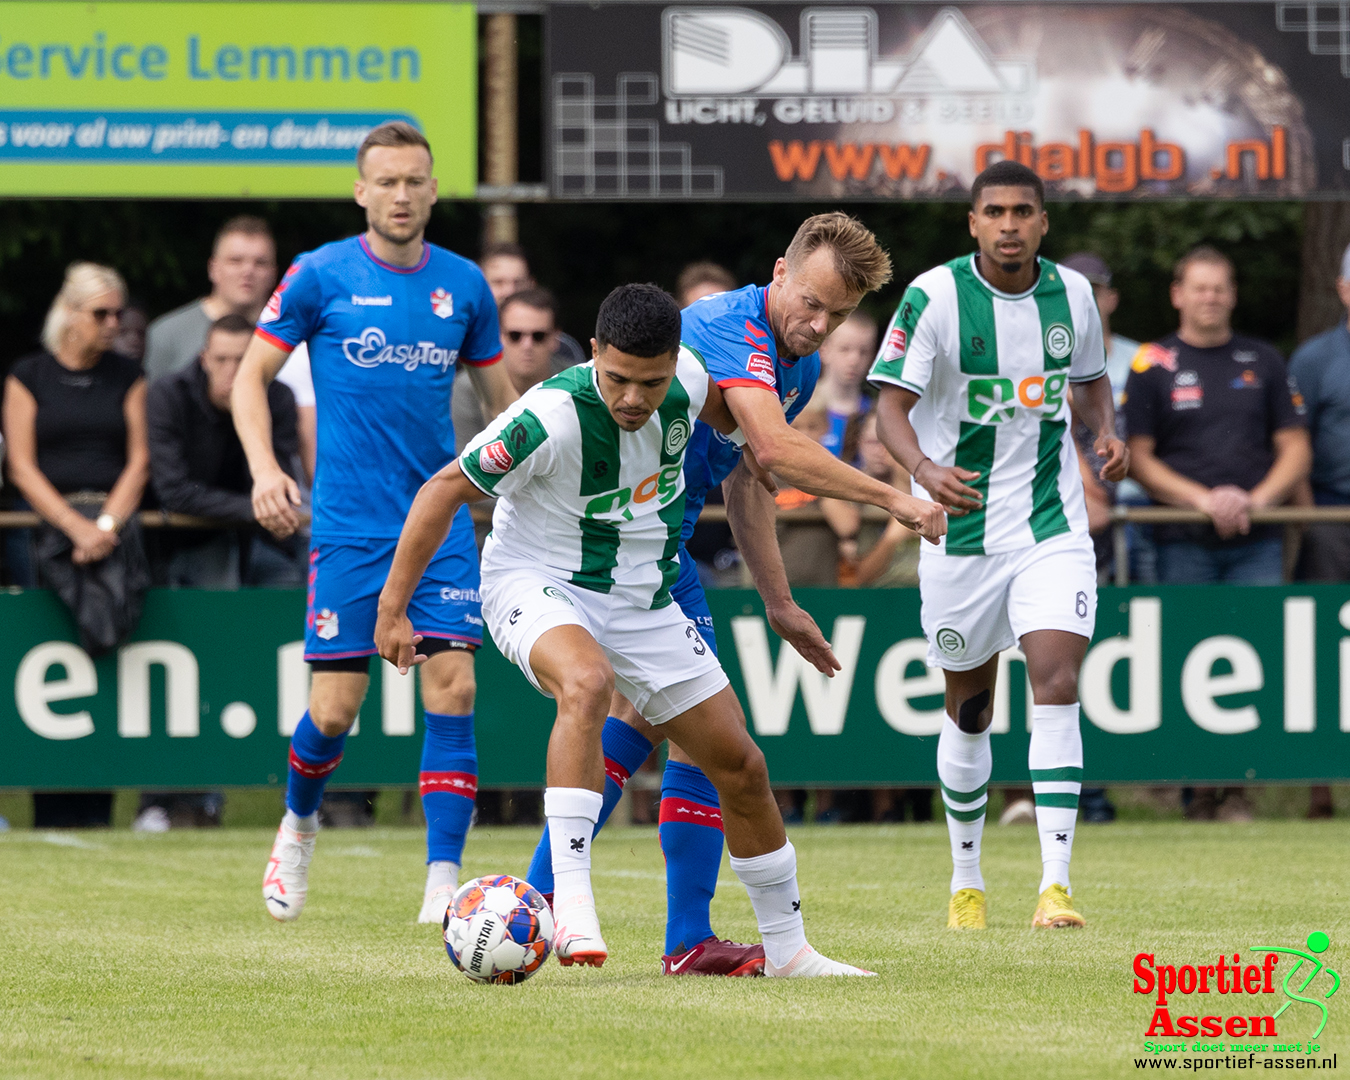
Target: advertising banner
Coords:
[(911, 100), (229, 99), (1183, 684)]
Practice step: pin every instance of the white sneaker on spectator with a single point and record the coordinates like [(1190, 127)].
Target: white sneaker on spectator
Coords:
[(286, 882), (151, 819)]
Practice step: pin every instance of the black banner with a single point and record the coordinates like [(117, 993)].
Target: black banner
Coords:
[(884, 101)]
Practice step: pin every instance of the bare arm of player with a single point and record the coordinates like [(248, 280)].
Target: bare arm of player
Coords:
[(493, 387), (717, 416), (945, 483), (275, 494), (807, 465), (423, 533), (1095, 404), (751, 515)]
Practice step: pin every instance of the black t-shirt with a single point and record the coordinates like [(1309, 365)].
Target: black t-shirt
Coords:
[(1211, 412), (81, 429)]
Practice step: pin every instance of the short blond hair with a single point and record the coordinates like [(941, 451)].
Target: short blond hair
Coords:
[(83, 282), (392, 133), (859, 259)]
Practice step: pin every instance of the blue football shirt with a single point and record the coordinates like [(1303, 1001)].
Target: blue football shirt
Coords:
[(731, 332), (384, 344)]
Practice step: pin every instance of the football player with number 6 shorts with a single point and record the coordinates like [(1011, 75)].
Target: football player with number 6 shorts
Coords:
[(975, 377)]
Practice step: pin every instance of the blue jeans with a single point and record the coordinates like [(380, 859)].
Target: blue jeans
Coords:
[(1258, 563)]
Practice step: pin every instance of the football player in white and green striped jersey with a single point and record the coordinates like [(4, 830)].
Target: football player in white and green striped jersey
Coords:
[(975, 376), (588, 469)]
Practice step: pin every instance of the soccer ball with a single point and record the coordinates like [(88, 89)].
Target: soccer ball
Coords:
[(498, 929)]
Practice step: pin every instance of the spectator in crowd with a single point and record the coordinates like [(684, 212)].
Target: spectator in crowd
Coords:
[(845, 357), (1321, 369), (1214, 424), (700, 279), (198, 467), (1120, 353), (74, 424), (530, 353), (507, 269), (131, 331), (242, 270)]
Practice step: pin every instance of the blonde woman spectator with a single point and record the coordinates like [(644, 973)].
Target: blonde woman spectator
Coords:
[(74, 422)]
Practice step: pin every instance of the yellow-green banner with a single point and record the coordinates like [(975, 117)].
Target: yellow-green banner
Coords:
[(237, 99)]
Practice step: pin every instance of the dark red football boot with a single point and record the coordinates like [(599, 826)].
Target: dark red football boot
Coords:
[(716, 957)]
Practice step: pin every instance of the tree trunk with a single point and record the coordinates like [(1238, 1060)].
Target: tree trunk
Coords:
[(1326, 234)]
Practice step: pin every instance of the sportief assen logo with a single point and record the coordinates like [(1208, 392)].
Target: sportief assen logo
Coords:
[(1250, 1026)]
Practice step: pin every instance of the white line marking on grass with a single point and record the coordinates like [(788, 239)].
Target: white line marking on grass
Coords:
[(61, 840), (362, 851)]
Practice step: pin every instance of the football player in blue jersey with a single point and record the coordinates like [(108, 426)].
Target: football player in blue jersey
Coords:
[(760, 345), (388, 318)]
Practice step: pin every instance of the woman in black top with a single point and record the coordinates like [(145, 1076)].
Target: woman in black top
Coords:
[(74, 416)]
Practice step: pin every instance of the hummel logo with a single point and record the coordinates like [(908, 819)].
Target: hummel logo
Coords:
[(579, 844), (796, 905), (967, 845), (1062, 837)]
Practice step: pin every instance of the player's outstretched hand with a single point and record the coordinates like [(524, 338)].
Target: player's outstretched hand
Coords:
[(946, 484), (275, 499), (799, 630), (396, 642), (926, 518), (1115, 455)]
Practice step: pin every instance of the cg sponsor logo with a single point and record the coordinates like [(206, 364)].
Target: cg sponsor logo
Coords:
[(677, 435), (1058, 340), (950, 642), (995, 401), (557, 594), (665, 484), (370, 350)]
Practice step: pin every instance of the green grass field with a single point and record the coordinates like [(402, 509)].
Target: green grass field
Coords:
[(125, 955)]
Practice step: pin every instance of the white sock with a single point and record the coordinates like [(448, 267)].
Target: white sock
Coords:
[(572, 814), (1056, 763), (442, 873), (964, 762), (308, 823), (771, 881)]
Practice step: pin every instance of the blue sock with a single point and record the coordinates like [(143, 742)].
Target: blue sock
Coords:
[(448, 782), (314, 756), (625, 751), (691, 839)]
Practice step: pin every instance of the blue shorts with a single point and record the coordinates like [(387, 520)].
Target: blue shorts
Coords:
[(345, 579), (688, 593)]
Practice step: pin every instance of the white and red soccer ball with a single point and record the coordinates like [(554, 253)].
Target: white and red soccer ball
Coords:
[(498, 929)]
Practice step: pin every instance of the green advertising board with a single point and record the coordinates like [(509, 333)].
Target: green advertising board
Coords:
[(1182, 684), (227, 99)]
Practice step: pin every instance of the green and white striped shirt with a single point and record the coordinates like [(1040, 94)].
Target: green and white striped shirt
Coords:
[(992, 371), (578, 495)]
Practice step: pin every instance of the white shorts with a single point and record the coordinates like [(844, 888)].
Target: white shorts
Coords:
[(974, 606), (661, 663)]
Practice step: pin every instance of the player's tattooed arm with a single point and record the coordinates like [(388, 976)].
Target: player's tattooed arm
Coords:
[(751, 514), (947, 484), (1095, 403), (493, 387), (423, 533), (276, 496)]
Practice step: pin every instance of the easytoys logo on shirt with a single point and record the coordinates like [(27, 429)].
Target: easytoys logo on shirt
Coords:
[(371, 350)]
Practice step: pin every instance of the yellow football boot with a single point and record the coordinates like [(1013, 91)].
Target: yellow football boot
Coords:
[(966, 910), (1056, 910)]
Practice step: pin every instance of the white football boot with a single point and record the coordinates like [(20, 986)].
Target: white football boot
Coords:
[(286, 882), (576, 939), (809, 964), (442, 882)]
